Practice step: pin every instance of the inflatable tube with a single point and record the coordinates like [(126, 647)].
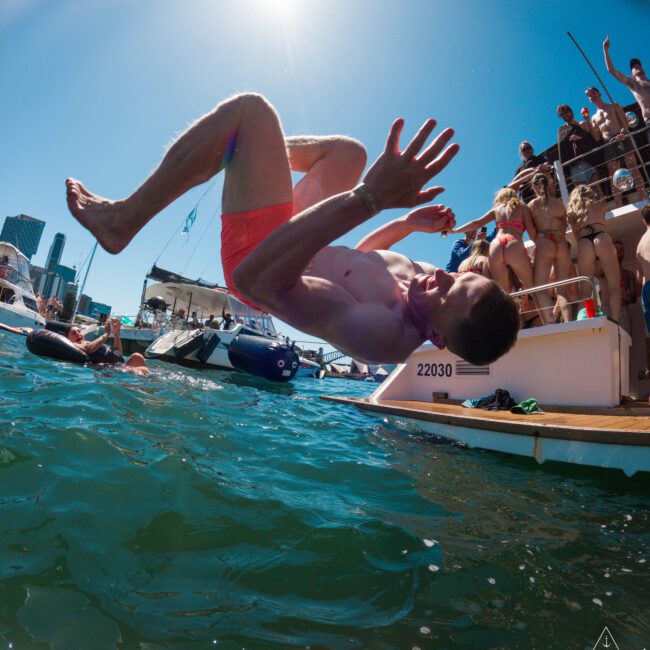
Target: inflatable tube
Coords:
[(263, 357), (45, 343), (106, 354)]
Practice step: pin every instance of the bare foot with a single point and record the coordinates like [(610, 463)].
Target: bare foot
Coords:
[(105, 219)]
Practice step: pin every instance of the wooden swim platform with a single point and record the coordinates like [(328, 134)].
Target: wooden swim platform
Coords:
[(628, 424)]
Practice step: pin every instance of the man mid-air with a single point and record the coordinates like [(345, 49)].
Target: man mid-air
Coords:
[(371, 303)]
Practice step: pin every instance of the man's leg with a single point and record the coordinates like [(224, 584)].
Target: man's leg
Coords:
[(243, 134), (332, 164)]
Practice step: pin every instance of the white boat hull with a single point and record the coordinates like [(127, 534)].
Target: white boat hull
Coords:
[(20, 316), (629, 458)]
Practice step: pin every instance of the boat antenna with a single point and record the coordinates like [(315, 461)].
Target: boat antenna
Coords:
[(602, 83), (83, 285), (187, 221)]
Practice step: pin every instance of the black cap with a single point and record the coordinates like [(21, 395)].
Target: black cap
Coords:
[(635, 62)]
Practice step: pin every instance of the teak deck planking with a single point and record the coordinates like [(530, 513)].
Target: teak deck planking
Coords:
[(624, 425)]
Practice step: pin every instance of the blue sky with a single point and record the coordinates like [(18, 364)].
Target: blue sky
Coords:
[(96, 89)]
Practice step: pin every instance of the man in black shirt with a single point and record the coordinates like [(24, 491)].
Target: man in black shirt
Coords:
[(530, 165), (578, 139)]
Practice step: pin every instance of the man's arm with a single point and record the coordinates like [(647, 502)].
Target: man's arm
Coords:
[(610, 66), (477, 223), (272, 273), (431, 218)]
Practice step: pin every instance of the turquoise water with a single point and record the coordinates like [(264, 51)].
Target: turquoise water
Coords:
[(200, 509)]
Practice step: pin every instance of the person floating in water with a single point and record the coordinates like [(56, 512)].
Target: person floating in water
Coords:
[(371, 303), (108, 356)]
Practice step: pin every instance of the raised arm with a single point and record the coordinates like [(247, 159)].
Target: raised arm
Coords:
[(430, 218), (610, 66), (477, 223), (273, 271), (92, 346)]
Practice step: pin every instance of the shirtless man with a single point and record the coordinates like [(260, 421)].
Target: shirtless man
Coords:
[(375, 305), (612, 124), (638, 84), (643, 278)]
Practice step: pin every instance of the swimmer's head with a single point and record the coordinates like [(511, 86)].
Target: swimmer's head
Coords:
[(73, 333), (469, 314)]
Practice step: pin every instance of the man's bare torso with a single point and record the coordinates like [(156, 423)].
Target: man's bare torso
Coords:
[(641, 90), (643, 255), (378, 276), (609, 120)]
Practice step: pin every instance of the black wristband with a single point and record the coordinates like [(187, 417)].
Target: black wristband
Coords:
[(366, 197)]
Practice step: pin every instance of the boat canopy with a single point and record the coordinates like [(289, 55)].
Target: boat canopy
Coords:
[(161, 275), (206, 301), (14, 268)]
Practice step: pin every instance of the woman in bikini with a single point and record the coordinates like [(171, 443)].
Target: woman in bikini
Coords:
[(595, 246), (551, 247), (478, 260), (507, 249)]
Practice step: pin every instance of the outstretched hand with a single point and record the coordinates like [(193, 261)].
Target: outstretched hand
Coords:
[(431, 218), (397, 177), (606, 43)]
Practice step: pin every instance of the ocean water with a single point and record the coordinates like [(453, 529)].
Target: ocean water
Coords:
[(202, 509)]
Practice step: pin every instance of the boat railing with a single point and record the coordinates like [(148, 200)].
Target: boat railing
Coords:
[(602, 182), (593, 307), (13, 276)]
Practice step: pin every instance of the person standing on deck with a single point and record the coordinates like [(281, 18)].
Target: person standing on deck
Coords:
[(376, 305), (460, 251), (578, 139), (638, 84), (612, 124), (628, 288), (643, 278), (531, 164)]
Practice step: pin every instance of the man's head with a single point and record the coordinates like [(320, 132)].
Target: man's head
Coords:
[(593, 94), (470, 235), (637, 70), (620, 250), (565, 112), (645, 213), (73, 333), (526, 150), (467, 313)]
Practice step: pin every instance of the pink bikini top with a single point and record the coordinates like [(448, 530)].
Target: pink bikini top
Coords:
[(512, 224)]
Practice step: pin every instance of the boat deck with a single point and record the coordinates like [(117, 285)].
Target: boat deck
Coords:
[(628, 424)]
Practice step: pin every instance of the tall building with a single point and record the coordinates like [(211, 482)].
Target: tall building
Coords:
[(24, 232), (56, 251), (51, 286)]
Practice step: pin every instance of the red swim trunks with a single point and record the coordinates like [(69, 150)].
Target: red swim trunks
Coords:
[(241, 232)]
